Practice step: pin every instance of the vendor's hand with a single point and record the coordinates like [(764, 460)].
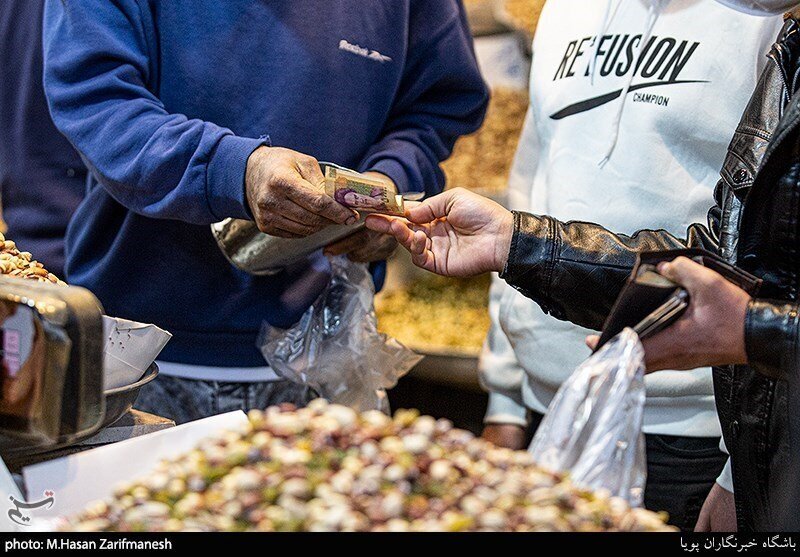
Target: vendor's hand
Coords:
[(286, 197), (510, 436), (718, 513), (364, 246), (457, 233), (711, 332)]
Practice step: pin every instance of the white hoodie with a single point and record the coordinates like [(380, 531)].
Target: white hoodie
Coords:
[(646, 159)]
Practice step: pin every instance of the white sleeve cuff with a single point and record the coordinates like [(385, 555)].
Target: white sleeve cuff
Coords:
[(725, 479), (503, 409)]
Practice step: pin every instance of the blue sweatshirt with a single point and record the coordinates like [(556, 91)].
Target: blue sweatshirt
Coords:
[(166, 100), (42, 178)]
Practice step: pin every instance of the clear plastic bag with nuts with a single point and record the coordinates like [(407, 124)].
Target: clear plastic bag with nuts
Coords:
[(336, 348), (593, 428)]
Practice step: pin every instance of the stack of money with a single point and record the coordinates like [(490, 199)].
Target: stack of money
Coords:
[(363, 193)]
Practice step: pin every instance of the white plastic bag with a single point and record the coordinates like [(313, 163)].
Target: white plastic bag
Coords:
[(593, 428), (336, 348)]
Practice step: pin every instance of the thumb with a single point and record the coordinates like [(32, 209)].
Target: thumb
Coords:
[(431, 209), (687, 273)]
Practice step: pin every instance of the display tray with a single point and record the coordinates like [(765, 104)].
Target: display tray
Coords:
[(447, 365), (455, 367)]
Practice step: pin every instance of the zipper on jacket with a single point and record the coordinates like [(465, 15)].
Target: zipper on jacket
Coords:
[(790, 27)]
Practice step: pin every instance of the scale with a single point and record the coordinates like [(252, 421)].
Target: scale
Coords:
[(51, 366)]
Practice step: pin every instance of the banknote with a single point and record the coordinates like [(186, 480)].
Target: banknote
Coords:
[(363, 193)]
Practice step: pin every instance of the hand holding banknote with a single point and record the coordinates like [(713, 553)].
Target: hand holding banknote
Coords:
[(286, 197)]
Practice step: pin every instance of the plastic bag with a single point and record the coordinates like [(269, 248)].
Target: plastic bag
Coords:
[(336, 348), (593, 428)]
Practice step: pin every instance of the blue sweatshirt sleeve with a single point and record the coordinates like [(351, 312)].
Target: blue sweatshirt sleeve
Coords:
[(99, 77), (442, 96)]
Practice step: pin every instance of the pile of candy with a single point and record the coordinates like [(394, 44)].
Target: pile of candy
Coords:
[(327, 468)]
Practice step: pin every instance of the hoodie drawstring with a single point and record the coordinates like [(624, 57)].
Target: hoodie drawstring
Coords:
[(656, 7), (608, 17)]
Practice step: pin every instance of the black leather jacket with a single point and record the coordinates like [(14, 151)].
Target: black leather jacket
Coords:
[(575, 271)]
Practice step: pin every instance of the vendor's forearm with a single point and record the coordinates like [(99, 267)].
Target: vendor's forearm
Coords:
[(100, 90)]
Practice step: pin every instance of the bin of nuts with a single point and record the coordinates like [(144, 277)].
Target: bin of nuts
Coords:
[(435, 313), (16, 263), (522, 15), (327, 468), (482, 161)]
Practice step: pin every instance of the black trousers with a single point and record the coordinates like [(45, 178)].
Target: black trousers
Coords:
[(680, 473)]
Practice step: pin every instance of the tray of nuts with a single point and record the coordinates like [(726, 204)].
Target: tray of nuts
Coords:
[(328, 468), (522, 16), (21, 264), (482, 161)]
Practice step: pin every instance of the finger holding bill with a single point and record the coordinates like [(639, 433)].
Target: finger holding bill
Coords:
[(413, 238)]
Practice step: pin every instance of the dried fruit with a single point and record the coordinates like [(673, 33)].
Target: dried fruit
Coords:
[(397, 487)]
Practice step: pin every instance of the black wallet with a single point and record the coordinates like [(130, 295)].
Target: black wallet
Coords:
[(650, 302)]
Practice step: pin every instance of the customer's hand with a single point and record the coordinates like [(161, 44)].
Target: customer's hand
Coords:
[(286, 197), (364, 246), (510, 436), (457, 233), (718, 513), (711, 332)]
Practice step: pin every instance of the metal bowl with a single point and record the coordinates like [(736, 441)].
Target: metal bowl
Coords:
[(121, 399)]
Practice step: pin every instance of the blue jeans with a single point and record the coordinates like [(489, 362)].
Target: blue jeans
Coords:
[(186, 400)]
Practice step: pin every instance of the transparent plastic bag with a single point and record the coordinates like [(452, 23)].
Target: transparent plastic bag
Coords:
[(336, 348), (593, 428)]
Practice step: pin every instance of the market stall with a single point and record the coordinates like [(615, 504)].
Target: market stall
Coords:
[(70, 374), (85, 460)]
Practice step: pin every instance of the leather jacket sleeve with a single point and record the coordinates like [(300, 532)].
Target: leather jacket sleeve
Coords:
[(771, 336), (575, 270)]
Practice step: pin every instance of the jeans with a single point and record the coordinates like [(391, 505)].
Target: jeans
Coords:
[(680, 473), (186, 400)]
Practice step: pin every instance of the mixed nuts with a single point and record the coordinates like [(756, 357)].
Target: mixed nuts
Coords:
[(433, 313), (524, 14), (21, 264), (328, 468), (483, 159)]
